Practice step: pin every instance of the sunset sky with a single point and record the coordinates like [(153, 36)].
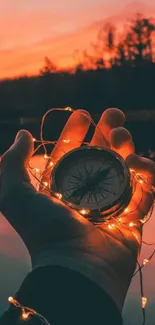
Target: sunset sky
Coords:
[(33, 29)]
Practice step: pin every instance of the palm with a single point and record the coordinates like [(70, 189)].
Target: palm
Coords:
[(43, 221)]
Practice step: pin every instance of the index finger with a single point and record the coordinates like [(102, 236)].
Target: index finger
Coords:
[(71, 137)]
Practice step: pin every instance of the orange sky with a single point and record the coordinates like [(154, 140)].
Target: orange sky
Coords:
[(33, 29)]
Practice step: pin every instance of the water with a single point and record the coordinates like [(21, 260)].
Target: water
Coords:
[(143, 132)]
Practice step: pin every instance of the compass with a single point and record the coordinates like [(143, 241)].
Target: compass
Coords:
[(94, 181)]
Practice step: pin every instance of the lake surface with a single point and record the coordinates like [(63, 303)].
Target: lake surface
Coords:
[(143, 132)]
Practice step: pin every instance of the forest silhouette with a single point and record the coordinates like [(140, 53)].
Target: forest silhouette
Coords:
[(118, 70)]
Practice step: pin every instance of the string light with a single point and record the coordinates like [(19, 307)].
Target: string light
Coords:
[(111, 226), (26, 312), (84, 212), (69, 109), (46, 156), (58, 195), (131, 224), (25, 315), (145, 261), (144, 302), (46, 184)]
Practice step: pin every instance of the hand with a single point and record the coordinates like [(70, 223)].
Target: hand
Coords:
[(45, 223)]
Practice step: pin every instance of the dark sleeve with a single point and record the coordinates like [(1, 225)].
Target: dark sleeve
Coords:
[(63, 297)]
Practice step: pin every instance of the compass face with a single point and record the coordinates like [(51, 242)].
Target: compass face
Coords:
[(91, 178)]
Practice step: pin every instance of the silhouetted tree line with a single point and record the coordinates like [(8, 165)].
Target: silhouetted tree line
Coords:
[(117, 71)]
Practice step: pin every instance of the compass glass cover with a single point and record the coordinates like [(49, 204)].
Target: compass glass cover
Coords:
[(91, 178)]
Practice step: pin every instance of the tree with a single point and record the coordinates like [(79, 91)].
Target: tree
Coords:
[(110, 46), (48, 67), (138, 40)]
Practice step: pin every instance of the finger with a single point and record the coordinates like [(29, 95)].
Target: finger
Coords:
[(20, 152), (71, 137), (121, 142), (111, 118), (142, 166), (142, 199), (14, 162)]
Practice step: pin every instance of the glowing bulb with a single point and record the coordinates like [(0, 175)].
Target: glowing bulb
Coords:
[(120, 219), (46, 156), (59, 195), (10, 299), (126, 210), (66, 141), (141, 181), (51, 163), (45, 183), (34, 140), (131, 170), (37, 170), (13, 301), (111, 226), (144, 302), (25, 315), (69, 109), (131, 224), (84, 211), (145, 261)]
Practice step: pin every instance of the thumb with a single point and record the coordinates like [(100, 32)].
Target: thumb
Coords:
[(13, 164), (20, 152)]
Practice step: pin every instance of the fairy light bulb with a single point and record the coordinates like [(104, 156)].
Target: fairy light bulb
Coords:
[(145, 261), (46, 156), (126, 210), (83, 212), (141, 181), (34, 140), (58, 195), (131, 224), (144, 302), (25, 315), (51, 163), (37, 170), (69, 109), (66, 141), (111, 226), (11, 299), (45, 184)]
